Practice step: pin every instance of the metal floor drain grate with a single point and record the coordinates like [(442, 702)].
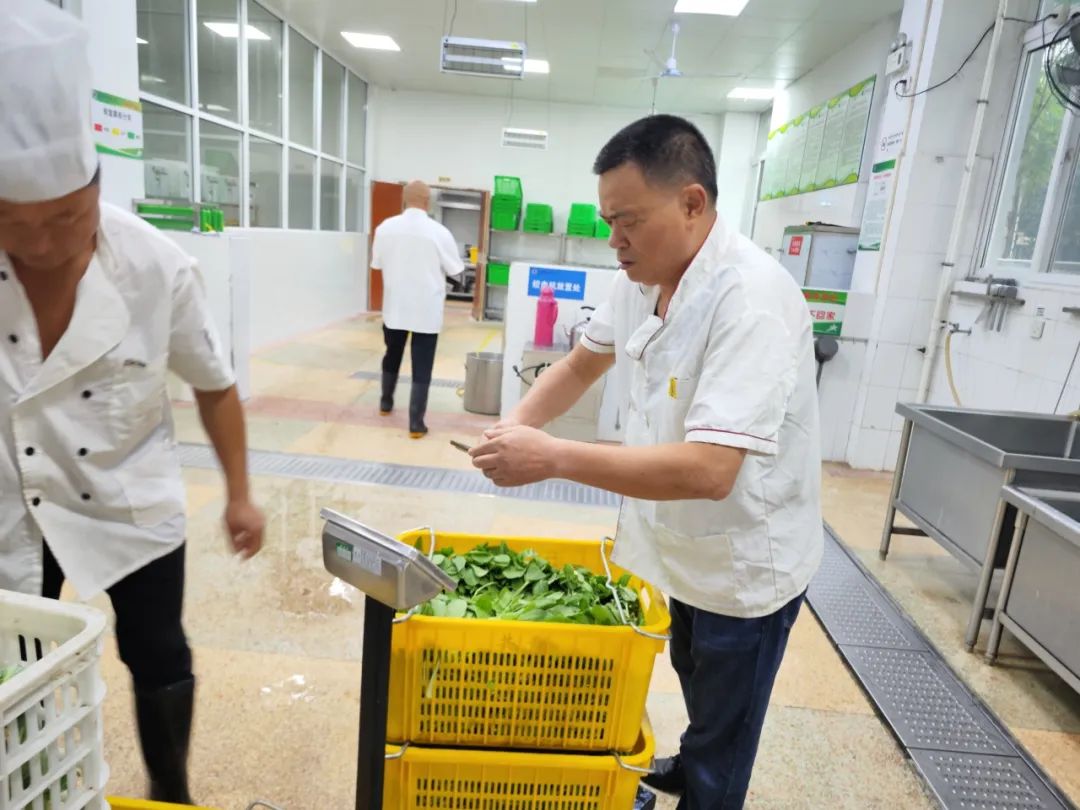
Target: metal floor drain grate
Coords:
[(405, 379), (322, 468), (963, 752)]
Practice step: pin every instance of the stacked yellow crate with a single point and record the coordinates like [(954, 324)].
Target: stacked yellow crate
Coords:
[(552, 715)]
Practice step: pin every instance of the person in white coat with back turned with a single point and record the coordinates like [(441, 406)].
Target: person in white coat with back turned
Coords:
[(96, 307), (416, 255)]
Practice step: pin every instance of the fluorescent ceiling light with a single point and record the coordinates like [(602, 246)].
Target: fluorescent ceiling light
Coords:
[(728, 8), (141, 41), (232, 30), (151, 79), (373, 42), (216, 108), (537, 66), (753, 93)]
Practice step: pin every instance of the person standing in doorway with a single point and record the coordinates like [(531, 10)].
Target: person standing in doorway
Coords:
[(416, 255), (96, 307)]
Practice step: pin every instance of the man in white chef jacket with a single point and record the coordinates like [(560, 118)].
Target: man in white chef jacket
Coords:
[(721, 465), (95, 307), (416, 255)]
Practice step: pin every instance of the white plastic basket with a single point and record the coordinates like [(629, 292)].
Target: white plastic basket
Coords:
[(51, 754)]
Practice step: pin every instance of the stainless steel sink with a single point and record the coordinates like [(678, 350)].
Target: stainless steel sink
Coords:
[(953, 464), (1019, 440), (1039, 602)]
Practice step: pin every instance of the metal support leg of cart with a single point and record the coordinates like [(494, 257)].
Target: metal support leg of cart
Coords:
[(374, 699), (994, 643), (898, 478), (986, 575)]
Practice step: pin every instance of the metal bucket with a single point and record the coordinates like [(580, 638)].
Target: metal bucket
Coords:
[(483, 383)]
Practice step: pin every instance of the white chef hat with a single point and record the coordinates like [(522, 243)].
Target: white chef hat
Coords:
[(46, 144)]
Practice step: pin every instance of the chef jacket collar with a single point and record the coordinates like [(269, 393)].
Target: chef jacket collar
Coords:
[(99, 323), (708, 257)]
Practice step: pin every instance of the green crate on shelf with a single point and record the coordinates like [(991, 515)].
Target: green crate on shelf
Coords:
[(508, 187), (498, 274), (582, 220), (504, 205), (603, 230), (539, 218), (505, 220)]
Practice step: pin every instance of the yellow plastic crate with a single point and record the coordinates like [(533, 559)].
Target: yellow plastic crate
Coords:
[(489, 683), (497, 780)]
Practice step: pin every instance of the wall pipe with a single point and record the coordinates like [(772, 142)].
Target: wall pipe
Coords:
[(938, 323)]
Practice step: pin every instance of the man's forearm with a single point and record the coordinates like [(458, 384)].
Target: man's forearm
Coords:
[(223, 419), (666, 472)]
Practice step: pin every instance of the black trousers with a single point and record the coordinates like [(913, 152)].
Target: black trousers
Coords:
[(149, 632), (423, 353)]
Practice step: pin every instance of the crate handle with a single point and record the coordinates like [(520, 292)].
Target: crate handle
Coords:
[(632, 768), (618, 602), (261, 803), (431, 553), (399, 754)]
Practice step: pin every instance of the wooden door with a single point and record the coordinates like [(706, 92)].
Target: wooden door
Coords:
[(387, 200)]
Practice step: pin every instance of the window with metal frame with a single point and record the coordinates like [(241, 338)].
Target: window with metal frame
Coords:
[(1036, 216)]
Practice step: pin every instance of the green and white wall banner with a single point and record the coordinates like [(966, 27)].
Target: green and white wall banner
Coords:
[(826, 309), (876, 211), (821, 148), (117, 124)]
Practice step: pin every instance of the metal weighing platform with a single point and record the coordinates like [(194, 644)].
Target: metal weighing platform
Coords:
[(392, 577)]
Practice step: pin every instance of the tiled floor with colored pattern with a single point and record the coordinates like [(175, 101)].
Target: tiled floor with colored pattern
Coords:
[(277, 643)]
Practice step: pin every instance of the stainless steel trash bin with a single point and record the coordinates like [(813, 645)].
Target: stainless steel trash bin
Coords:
[(483, 383)]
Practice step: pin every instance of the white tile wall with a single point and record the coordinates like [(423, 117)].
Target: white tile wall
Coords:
[(880, 407), (869, 451), (888, 360), (897, 323)]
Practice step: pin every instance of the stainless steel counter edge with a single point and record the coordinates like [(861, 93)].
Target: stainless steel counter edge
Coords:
[(1038, 504)]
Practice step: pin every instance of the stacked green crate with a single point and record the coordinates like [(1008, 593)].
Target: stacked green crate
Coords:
[(498, 274), (506, 204), (582, 220), (539, 218), (603, 230)]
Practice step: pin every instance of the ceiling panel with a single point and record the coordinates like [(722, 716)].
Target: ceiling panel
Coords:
[(596, 48)]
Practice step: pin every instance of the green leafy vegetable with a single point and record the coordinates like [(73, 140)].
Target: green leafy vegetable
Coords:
[(498, 583)]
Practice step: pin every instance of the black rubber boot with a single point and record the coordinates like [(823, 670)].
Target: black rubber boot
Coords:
[(164, 718), (667, 776), (389, 384), (417, 409), (644, 800)]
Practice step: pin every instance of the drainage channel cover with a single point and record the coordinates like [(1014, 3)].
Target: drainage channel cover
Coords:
[(322, 468), (959, 747), (983, 782), (405, 379)]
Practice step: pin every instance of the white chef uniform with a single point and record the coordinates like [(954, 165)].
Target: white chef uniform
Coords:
[(416, 254), (88, 458), (731, 364)]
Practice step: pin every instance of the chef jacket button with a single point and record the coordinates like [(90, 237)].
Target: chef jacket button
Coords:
[(13, 338), (3, 275), (36, 502), (86, 496), (30, 451), (83, 451), (87, 394)]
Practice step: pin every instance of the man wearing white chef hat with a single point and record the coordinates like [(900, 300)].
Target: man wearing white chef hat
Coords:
[(721, 471), (96, 307)]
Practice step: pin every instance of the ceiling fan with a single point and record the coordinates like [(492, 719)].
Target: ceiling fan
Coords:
[(670, 68)]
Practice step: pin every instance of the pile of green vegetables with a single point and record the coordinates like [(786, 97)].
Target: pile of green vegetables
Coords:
[(495, 582), (6, 674)]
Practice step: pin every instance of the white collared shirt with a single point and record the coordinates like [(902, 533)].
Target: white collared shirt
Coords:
[(416, 254), (731, 364), (88, 458)]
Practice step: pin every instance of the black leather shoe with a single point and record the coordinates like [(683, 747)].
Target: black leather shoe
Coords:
[(667, 776), (645, 799)]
